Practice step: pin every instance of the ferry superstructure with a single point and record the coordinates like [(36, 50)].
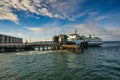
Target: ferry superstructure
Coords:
[(94, 41), (77, 39)]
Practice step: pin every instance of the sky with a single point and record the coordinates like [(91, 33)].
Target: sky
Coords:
[(42, 19)]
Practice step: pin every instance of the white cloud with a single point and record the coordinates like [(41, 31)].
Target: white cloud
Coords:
[(6, 13), (36, 29), (101, 17), (114, 30), (45, 30), (38, 7), (9, 16), (68, 8), (50, 8)]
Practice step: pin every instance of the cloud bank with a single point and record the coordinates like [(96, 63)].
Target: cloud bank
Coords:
[(107, 33), (51, 8)]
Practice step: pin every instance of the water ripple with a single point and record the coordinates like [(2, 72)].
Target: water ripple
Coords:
[(99, 63)]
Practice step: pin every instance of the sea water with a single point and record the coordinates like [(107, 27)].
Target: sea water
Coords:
[(96, 63)]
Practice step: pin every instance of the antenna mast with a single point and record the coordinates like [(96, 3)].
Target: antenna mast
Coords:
[(75, 31)]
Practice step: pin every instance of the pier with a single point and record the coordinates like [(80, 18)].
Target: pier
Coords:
[(58, 42), (8, 47)]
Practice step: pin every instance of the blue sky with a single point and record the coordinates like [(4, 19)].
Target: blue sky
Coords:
[(41, 19)]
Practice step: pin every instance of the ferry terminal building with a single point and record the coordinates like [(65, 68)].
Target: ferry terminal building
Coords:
[(10, 39)]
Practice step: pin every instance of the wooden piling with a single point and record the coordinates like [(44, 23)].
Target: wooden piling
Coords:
[(43, 48)]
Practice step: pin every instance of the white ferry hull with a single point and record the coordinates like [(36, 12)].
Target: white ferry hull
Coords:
[(90, 44)]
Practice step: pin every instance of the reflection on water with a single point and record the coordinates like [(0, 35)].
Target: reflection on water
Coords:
[(32, 52), (71, 61), (98, 63)]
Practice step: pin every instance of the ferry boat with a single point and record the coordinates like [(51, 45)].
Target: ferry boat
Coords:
[(75, 38), (91, 40), (94, 41)]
